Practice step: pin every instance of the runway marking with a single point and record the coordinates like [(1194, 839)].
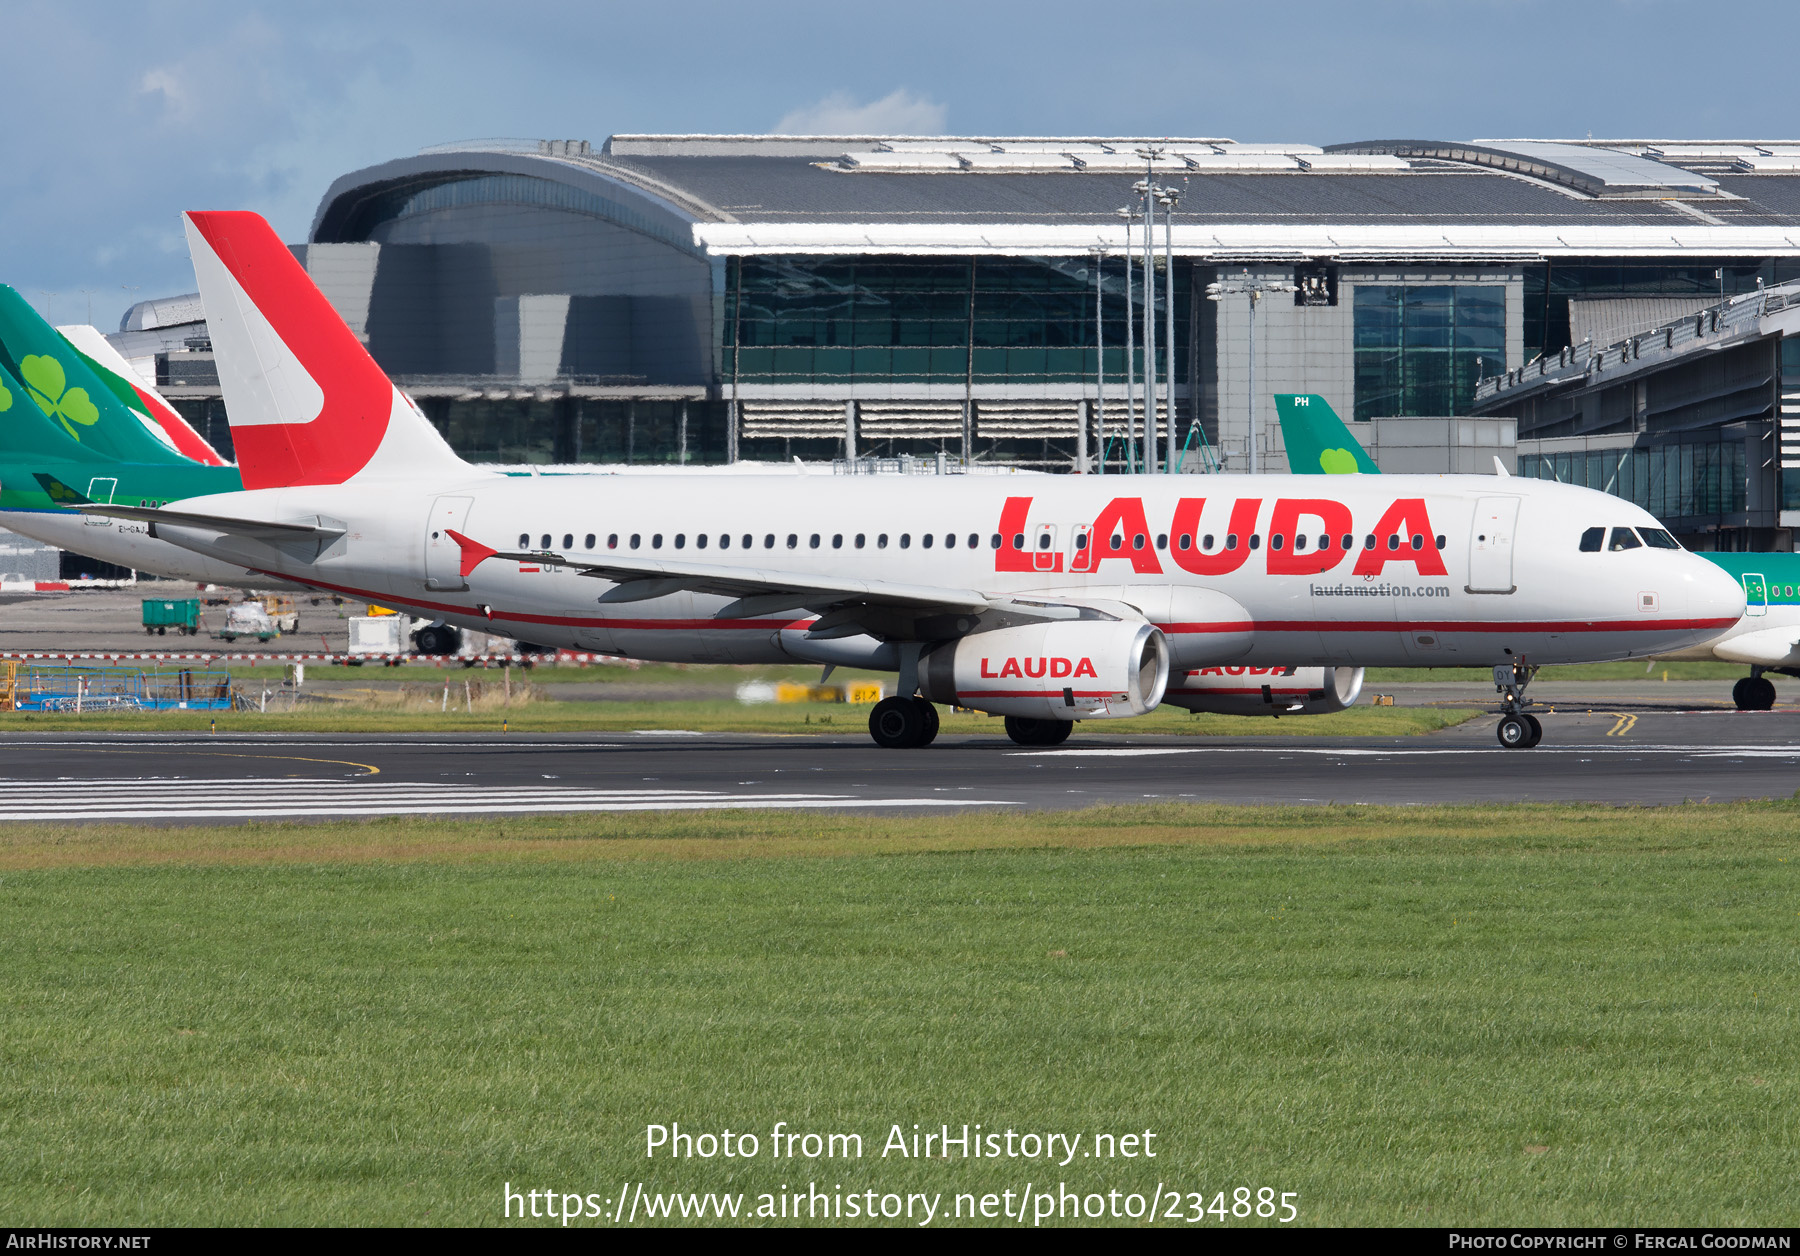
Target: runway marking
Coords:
[(1624, 725), (368, 768), (1343, 752), (73, 798)]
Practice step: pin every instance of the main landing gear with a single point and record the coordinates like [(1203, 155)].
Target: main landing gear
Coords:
[(1517, 729), (1028, 732), (903, 723), (1753, 692)]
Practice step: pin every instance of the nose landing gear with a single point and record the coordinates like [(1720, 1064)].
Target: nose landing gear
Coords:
[(1517, 729), (1519, 732), (1028, 732)]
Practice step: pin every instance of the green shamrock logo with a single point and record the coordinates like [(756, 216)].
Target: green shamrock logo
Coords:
[(5, 397), (49, 388), (1337, 462)]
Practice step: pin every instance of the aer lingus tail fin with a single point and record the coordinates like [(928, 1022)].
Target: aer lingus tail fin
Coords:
[(159, 418), (1317, 441), (65, 389)]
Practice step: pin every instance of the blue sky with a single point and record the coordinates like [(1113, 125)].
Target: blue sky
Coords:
[(124, 115)]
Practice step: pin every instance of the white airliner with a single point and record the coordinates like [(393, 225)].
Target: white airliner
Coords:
[(1074, 598)]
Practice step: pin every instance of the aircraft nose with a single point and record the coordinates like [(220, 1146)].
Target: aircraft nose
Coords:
[(1714, 593)]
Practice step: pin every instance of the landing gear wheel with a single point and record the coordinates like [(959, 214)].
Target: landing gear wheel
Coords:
[(1753, 693), (1537, 730), (1027, 732), (1514, 733), (897, 724), (930, 714), (437, 639)]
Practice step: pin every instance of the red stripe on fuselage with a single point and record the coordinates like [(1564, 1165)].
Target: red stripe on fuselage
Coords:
[(1496, 625)]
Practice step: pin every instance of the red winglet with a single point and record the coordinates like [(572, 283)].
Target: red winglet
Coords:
[(474, 553)]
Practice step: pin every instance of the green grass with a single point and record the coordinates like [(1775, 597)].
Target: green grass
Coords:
[(715, 716), (1536, 1015)]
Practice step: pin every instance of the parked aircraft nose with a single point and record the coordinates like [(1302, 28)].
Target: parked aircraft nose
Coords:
[(1715, 598)]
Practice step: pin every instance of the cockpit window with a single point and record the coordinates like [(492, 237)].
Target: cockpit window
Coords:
[(1592, 540), (1656, 538), (1624, 539)]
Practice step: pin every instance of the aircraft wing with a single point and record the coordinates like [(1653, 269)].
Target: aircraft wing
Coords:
[(846, 604)]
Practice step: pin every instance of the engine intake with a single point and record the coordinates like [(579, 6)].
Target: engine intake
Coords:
[(1267, 690), (1090, 670)]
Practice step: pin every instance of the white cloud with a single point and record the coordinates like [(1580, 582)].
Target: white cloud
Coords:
[(168, 85), (898, 113)]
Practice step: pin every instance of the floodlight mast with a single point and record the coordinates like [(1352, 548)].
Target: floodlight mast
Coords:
[(1081, 440), (1146, 191), (1170, 197), (1245, 286), (1130, 354)]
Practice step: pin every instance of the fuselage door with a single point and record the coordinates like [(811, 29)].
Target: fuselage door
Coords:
[(1079, 540), (1044, 556), (443, 556), (1491, 545), (1756, 594), (101, 490)]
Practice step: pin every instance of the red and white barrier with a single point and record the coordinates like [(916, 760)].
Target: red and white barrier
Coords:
[(576, 658), (62, 586)]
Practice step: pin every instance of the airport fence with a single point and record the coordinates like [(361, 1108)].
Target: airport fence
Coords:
[(81, 689)]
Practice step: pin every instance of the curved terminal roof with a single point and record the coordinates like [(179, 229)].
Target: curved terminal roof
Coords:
[(717, 195), (1590, 170)]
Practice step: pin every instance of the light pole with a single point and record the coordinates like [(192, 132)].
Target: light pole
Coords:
[(1099, 371), (1130, 354), (1255, 290), (1170, 197), (1147, 191)]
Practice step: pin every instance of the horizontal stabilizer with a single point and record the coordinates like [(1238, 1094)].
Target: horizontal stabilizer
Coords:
[(260, 529), (59, 492)]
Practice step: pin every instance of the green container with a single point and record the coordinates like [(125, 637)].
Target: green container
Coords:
[(181, 614)]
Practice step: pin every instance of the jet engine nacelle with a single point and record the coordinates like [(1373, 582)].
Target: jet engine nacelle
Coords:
[(1086, 670), (1267, 690)]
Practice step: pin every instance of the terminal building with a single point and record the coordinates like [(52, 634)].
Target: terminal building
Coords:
[(695, 299)]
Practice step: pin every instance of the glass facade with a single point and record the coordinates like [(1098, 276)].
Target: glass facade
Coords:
[(1678, 480), (1421, 348), (933, 320), (581, 430), (1787, 419), (207, 417), (1549, 287)]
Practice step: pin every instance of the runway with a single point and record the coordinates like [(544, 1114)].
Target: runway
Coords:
[(1626, 756)]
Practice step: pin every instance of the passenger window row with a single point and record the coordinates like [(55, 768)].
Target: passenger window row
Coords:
[(1594, 540), (793, 540), (927, 540)]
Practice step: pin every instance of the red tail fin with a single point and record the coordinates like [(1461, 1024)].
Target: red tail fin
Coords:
[(307, 403)]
